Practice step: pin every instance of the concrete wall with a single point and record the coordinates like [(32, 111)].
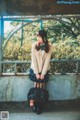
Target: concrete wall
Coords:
[(60, 87)]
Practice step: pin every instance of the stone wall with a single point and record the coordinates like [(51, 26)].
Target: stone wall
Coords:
[(60, 87)]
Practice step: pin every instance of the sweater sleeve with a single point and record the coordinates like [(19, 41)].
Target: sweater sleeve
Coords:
[(47, 61), (34, 60)]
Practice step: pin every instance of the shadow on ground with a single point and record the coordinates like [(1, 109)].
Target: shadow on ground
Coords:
[(51, 106)]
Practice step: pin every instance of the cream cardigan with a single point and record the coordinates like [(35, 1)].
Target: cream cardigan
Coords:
[(40, 60)]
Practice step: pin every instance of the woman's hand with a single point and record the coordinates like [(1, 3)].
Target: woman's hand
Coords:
[(37, 76), (42, 77)]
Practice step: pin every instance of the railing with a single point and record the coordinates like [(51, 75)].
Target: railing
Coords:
[(14, 64), (57, 66), (64, 66)]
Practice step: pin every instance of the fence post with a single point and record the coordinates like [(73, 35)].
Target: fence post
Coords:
[(15, 68), (77, 67), (1, 38), (41, 24)]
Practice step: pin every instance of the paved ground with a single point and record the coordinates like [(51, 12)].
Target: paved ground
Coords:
[(61, 115), (53, 111)]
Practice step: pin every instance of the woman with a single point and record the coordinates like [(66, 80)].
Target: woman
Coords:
[(40, 60)]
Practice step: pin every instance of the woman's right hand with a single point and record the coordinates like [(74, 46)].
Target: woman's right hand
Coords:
[(37, 76)]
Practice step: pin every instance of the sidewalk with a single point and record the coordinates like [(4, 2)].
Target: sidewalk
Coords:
[(60, 115), (53, 111)]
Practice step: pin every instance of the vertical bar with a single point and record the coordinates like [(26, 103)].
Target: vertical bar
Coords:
[(22, 34), (63, 70), (2, 24), (41, 24), (0, 48), (15, 68), (77, 67), (1, 38)]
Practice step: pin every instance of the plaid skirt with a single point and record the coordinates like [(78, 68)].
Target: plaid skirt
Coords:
[(33, 78)]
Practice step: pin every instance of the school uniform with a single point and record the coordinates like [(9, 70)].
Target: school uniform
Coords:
[(40, 60), (40, 64)]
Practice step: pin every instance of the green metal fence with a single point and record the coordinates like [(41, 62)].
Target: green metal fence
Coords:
[(22, 67), (57, 66)]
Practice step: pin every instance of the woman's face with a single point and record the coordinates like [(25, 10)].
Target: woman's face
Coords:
[(39, 39)]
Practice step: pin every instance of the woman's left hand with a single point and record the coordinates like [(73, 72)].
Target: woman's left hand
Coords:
[(42, 76)]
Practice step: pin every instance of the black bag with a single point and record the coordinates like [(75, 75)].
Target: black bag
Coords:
[(38, 95)]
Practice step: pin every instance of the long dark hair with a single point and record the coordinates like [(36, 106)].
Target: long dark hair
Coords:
[(43, 35)]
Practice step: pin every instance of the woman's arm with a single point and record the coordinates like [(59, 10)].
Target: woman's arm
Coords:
[(34, 60), (47, 61)]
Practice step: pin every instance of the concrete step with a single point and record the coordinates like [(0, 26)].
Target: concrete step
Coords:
[(50, 106)]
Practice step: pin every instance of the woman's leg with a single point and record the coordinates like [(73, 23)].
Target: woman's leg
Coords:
[(39, 85), (31, 103), (36, 84), (38, 108), (42, 85)]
